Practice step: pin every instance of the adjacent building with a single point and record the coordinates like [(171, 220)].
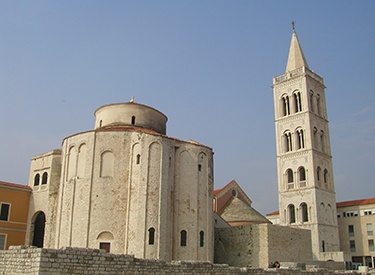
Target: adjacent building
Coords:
[(14, 203), (356, 221)]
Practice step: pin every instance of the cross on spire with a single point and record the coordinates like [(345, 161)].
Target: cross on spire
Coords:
[(293, 25)]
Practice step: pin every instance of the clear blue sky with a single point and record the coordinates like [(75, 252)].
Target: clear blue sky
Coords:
[(207, 65)]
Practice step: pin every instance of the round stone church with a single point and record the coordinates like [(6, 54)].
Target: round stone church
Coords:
[(125, 187)]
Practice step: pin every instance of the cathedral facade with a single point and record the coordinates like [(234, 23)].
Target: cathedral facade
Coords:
[(125, 187)]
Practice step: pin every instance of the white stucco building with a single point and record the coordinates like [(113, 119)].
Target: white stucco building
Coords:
[(125, 187)]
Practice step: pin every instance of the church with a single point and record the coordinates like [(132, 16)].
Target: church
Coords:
[(128, 188)]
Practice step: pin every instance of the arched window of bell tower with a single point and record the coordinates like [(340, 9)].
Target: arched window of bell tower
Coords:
[(318, 173), (315, 132), (302, 174), (297, 102), (322, 141), (325, 176), (300, 139), (312, 101), (304, 211), (287, 141), (318, 110), (289, 173), (285, 108), (292, 213)]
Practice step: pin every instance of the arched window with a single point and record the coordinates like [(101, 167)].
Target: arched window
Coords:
[(315, 131), (45, 178), (325, 176), (318, 172), (292, 215), (288, 141), (285, 105), (290, 175), (133, 120), (36, 179), (138, 159), (297, 102), (318, 104), (107, 163), (201, 239), (300, 139), (302, 174), (183, 237), (151, 236), (312, 101), (304, 210)]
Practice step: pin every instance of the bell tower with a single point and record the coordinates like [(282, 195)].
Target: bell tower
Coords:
[(304, 162)]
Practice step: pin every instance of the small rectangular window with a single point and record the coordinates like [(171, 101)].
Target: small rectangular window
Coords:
[(351, 230), (352, 246), (4, 214), (371, 245), (2, 241), (105, 246), (370, 232)]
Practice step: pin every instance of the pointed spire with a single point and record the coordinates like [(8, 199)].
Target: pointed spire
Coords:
[(296, 57)]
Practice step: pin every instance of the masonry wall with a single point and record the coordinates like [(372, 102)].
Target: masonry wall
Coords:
[(28, 261)]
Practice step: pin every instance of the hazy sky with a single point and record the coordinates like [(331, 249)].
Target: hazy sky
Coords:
[(207, 65)]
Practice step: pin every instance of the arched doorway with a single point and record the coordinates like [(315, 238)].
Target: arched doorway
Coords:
[(39, 225)]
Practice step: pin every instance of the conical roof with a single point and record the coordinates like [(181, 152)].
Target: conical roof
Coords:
[(296, 58)]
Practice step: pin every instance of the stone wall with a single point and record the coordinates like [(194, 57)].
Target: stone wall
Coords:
[(257, 245), (27, 261)]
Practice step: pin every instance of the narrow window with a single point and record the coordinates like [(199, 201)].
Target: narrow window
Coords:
[(318, 172), (183, 237), (305, 215), (201, 239), (323, 246), (133, 120), (300, 139), (312, 101), (288, 142), (315, 131), (138, 159), (36, 179), (302, 174), (352, 246), (4, 214), (318, 104), (292, 216), (100, 123), (2, 241), (151, 236), (297, 102), (322, 141), (370, 232), (371, 245), (285, 106), (199, 167), (290, 175), (44, 178), (105, 246), (351, 230), (325, 176)]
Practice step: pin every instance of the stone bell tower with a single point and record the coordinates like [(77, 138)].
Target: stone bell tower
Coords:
[(304, 162)]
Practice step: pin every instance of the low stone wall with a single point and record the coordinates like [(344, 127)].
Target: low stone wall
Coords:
[(42, 261)]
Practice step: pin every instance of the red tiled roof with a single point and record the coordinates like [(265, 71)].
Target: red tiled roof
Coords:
[(217, 191), (14, 185), (355, 202), (273, 213)]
